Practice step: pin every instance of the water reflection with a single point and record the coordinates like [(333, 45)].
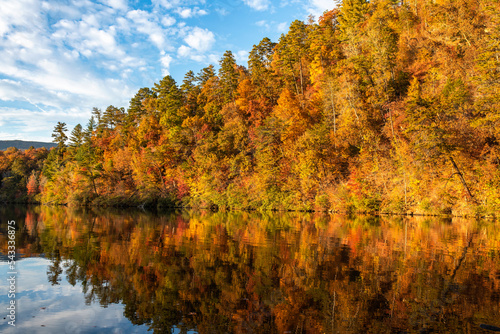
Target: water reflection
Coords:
[(61, 308), (246, 272)]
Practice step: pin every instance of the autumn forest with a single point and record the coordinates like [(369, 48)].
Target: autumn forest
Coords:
[(381, 106)]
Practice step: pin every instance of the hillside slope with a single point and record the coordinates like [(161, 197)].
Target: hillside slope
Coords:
[(24, 145)]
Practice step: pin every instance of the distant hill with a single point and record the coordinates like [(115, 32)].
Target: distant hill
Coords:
[(24, 145)]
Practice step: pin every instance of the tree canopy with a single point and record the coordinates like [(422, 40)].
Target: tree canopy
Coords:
[(378, 106)]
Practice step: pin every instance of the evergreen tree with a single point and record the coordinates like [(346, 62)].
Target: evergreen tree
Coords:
[(228, 75), (190, 92), (76, 137), (59, 135), (261, 72), (352, 14), (112, 117), (291, 57), (168, 102), (89, 131), (136, 107), (205, 74)]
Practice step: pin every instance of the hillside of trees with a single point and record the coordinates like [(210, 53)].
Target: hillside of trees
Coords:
[(24, 145), (389, 106)]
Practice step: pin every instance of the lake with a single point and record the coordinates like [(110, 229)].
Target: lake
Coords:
[(132, 271)]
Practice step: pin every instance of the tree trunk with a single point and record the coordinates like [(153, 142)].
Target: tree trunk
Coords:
[(461, 178), (301, 79)]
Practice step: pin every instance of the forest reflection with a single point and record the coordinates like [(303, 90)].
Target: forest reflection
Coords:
[(249, 272)]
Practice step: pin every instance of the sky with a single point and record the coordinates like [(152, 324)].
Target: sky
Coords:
[(61, 58)]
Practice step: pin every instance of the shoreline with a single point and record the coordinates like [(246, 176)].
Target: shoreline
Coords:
[(213, 208)]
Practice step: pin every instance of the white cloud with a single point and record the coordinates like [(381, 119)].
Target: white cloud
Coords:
[(188, 53), (157, 38), (103, 41), (48, 66), (132, 62), (22, 39), (241, 56), (57, 56), (200, 58), (21, 13), (71, 55), (167, 4), (91, 20), (172, 4), (184, 51), (282, 27), (200, 39), (77, 85), (145, 23), (87, 37), (26, 124), (318, 7), (68, 11), (9, 89), (257, 4), (186, 12), (213, 58), (125, 74), (165, 61), (273, 26), (117, 4), (262, 23), (222, 11), (167, 21)]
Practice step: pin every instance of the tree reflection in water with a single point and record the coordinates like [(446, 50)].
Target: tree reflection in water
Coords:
[(247, 272)]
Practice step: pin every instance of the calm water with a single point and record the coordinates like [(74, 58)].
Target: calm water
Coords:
[(200, 272)]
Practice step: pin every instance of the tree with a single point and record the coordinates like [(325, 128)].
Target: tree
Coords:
[(168, 102), (89, 131), (352, 13), (291, 57), (437, 124), (76, 137), (32, 185), (97, 115), (261, 72), (112, 117), (228, 75), (136, 107), (487, 79), (326, 54), (212, 102), (294, 118), (190, 92), (205, 74), (59, 135)]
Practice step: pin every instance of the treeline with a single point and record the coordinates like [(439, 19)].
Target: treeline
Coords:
[(20, 174), (384, 105), (23, 145)]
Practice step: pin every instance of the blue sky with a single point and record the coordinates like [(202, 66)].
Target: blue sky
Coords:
[(60, 58)]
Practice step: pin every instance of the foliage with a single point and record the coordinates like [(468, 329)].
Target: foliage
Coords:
[(20, 174), (379, 106)]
